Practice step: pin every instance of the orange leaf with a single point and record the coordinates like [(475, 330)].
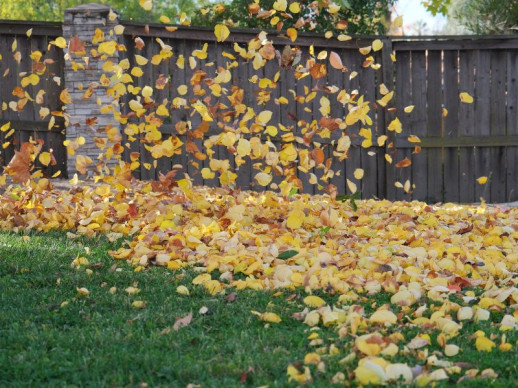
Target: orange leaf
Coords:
[(404, 163)]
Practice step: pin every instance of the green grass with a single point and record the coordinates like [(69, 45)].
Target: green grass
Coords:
[(101, 340)]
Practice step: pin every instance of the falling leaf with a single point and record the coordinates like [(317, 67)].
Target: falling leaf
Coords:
[(221, 32), (482, 180), (465, 97)]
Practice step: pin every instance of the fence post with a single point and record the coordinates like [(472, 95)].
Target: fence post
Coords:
[(82, 22)]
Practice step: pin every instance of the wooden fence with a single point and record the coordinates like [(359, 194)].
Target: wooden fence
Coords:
[(14, 67), (472, 140)]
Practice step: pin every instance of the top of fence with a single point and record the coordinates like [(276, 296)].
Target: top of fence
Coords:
[(17, 27), (241, 35)]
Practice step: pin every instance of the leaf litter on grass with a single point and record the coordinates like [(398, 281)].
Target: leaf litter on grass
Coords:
[(237, 240), (413, 251)]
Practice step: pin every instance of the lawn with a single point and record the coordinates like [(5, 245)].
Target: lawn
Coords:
[(52, 334)]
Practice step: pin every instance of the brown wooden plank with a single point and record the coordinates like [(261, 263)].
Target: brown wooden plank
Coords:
[(386, 175), (498, 124), (403, 96), (243, 172), (146, 159), (466, 124), (303, 87), (452, 185), (340, 80), (354, 61), (417, 120), (512, 125), (482, 122), (369, 184), (434, 123)]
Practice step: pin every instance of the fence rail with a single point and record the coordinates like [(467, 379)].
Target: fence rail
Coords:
[(460, 142)]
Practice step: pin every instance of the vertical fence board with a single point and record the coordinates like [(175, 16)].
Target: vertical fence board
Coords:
[(512, 125), (482, 122), (434, 123), (466, 123), (451, 104), (417, 123), (498, 124)]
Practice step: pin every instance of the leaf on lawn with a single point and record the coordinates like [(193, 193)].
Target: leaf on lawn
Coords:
[(287, 254), (182, 322)]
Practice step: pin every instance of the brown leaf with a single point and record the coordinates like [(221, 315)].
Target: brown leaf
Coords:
[(319, 70), (336, 62), (182, 322), (76, 45), (404, 163), (318, 155), (231, 297), (466, 229)]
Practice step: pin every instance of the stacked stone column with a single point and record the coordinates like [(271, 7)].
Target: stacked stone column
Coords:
[(82, 21)]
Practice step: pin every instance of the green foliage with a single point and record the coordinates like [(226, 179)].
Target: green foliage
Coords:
[(363, 16), (52, 10), (488, 16), (479, 16), (437, 6)]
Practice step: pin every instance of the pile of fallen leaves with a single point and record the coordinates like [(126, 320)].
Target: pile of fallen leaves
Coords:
[(267, 241)]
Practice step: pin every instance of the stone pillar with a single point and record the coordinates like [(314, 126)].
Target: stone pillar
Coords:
[(82, 22)]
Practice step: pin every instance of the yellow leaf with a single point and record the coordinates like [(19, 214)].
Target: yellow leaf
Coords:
[(263, 179), (294, 7), (222, 32), (206, 173), (370, 373), (45, 158), (482, 180), (118, 29), (295, 219), (383, 316), (213, 286), (83, 291), (358, 173), (292, 34), (264, 117), (451, 350), (413, 139), (164, 19), (398, 21), (141, 61), (377, 45), (312, 318), (465, 97), (409, 109), (146, 4), (60, 42), (280, 5), (484, 344), (352, 186), (395, 125), (300, 377), (270, 317), (139, 304), (182, 290), (314, 301)]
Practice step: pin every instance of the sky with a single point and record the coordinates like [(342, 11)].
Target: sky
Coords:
[(413, 12)]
